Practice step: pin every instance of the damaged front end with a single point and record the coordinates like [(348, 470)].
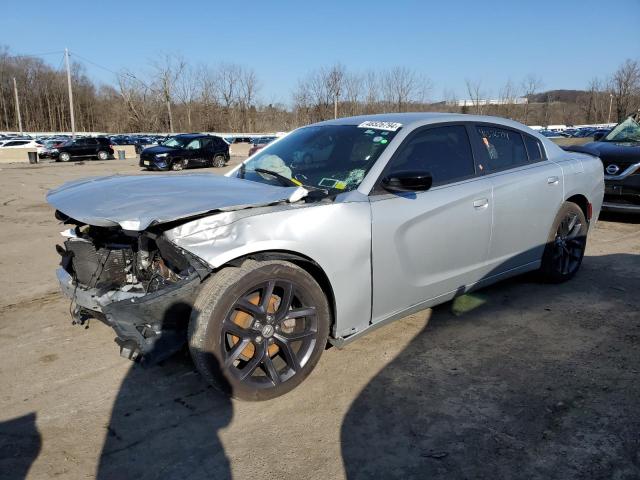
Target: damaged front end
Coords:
[(137, 282)]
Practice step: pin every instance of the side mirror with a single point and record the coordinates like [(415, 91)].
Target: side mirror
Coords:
[(598, 136), (408, 181)]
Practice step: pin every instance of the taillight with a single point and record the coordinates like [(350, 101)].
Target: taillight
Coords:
[(589, 211)]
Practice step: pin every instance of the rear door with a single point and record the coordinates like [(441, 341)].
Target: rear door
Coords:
[(430, 245), (92, 146), (193, 152), (527, 194)]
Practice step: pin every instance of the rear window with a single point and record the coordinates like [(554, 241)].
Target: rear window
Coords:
[(504, 148), (534, 149)]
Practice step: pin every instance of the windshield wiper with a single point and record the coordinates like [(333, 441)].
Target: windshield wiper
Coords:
[(287, 182)]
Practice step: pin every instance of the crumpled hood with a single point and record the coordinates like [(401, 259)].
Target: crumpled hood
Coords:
[(137, 201)]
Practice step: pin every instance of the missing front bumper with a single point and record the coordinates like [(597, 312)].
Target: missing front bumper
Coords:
[(149, 327)]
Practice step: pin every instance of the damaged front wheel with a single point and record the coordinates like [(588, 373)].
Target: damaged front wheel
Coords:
[(258, 330)]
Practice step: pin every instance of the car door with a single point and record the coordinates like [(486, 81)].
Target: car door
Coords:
[(207, 151), (429, 245), (527, 194), (193, 152), (78, 147), (92, 147)]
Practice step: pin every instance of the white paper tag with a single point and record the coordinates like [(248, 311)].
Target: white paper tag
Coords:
[(389, 126)]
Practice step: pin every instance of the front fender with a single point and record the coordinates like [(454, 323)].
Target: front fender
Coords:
[(336, 236)]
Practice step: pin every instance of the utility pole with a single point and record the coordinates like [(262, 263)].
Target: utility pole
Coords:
[(73, 119), (335, 107), (610, 103), (15, 90)]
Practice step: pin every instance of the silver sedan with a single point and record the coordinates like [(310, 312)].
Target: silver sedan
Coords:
[(327, 233)]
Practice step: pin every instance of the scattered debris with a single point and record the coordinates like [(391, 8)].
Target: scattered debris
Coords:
[(436, 455)]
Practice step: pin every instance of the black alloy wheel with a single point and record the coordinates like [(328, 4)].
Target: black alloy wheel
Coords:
[(258, 330), (269, 334), (566, 245)]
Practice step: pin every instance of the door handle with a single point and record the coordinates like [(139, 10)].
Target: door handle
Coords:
[(552, 180), (481, 203)]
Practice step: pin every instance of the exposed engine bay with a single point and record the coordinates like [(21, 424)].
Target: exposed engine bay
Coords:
[(138, 283), (106, 258)]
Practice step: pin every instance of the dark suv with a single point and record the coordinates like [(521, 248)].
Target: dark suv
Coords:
[(185, 151), (96, 147), (619, 151)]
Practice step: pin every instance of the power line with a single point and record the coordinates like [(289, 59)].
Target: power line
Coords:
[(117, 74), (36, 55), (74, 53)]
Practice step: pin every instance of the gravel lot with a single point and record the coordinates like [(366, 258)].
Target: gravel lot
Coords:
[(520, 380)]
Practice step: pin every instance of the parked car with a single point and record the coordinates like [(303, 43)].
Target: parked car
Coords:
[(49, 148), (186, 151), (82, 148), (256, 270), (619, 150), (140, 143), (19, 143), (260, 143)]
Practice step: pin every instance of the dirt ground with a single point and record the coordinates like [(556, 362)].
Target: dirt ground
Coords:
[(520, 380)]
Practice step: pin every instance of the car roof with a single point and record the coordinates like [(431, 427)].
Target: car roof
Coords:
[(414, 119), (191, 135)]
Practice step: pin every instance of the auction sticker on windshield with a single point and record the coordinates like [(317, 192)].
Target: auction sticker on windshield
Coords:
[(389, 126)]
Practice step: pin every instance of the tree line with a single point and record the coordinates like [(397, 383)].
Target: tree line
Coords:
[(173, 95)]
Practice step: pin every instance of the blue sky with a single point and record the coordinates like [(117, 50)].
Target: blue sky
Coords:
[(566, 43)]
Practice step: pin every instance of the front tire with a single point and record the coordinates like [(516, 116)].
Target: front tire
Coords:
[(566, 244), (178, 165), (64, 157), (257, 331)]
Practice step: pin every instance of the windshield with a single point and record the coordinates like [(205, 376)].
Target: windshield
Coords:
[(627, 131), (331, 157), (175, 142)]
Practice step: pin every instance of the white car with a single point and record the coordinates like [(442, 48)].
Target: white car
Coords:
[(19, 144)]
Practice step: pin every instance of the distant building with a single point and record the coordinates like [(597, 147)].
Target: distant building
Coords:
[(489, 101)]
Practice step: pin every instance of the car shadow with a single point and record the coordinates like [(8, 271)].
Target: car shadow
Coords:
[(164, 424), (20, 444), (633, 218), (517, 380)]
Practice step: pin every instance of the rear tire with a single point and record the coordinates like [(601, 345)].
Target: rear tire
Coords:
[(64, 157), (566, 244), (218, 161), (245, 341), (102, 155)]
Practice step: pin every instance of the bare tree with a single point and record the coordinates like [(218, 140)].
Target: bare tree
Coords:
[(227, 85), (354, 89), (372, 90), (167, 71), (334, 78), (401, 85), (137, 96), (531, 84), (625, 85), (476, 94), (247, 93), (508, 95), (187, 89)]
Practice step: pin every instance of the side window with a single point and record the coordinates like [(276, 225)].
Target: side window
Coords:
[(504, 148), (445, 152), (534, 149), (194, 144)]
